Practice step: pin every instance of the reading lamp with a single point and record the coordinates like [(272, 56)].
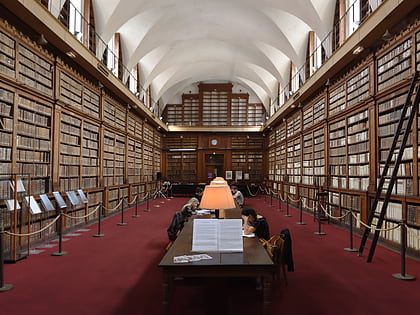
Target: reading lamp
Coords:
[(217, 196)]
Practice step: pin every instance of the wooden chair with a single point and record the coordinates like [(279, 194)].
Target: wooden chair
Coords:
[(275, 248)]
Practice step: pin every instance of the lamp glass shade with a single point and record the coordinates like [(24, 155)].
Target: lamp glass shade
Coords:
[(217, 195)]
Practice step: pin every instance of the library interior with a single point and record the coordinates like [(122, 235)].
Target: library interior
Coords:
[(122, 111)]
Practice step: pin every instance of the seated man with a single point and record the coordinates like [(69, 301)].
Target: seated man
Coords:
[(237, 196), (198, 193), (255, 223)]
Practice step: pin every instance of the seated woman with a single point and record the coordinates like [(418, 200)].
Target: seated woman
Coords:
[(255, 223), (190, 207)]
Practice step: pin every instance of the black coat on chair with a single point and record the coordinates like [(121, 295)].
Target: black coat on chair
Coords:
[(288, 255)]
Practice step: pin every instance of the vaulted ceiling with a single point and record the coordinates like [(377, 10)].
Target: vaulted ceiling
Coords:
[(179, 43)]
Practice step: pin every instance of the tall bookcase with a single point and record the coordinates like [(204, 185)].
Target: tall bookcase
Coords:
[(337, 154), (6, 129), (358, 150), (70, 149), (33, 142)]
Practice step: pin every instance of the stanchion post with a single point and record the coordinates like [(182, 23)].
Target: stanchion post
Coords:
[(287, 206), (319, 221), (300, 213), (147, 205), (99, 234), (279, 208), (60, 237), (271, 198), (3, 287), (136, 215), (122, 223), (403, 275), (351, 249)]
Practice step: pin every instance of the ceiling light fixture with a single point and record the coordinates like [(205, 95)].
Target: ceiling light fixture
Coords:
[(71, 54), (42, 40), (358, 50)]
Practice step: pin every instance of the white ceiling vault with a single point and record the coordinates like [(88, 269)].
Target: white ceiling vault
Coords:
[(179, 43)]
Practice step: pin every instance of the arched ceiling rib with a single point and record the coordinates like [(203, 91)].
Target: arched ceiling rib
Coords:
[(181, 42)]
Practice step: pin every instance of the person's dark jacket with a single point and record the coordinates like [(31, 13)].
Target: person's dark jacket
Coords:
[(177, 224)]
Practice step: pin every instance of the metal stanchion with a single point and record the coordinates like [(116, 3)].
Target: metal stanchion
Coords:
[(3, 287), (60, 237), (147, 206), (287, 206), (403, 275), (351, 249), (122, 213), (300, 213), (319, 222), (99, 234), (136, 215), (279, 208), (271, 199)]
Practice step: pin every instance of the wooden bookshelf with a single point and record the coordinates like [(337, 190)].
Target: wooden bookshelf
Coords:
[(293, 125), (33, 142), (319, 153), (337, 154), (35, 70), (148, 170), (337, 99), (90, 155), (70, 149), (293, 160), (134, 161), (358, 150), (7, 55), (394, 65), (239, 110), (6, 129), (389, 112), (215, 108), (114, 114), (190, 110), (307, 158), (357, 87), (272, 164)]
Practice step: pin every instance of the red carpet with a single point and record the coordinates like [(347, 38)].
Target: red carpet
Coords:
[(118, 274)]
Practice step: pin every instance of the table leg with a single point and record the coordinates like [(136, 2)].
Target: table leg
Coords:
[(167, 286), (266, 295)]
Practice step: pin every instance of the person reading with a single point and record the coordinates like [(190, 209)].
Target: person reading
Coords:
[(190, 207), (237, 196), (255, 223)]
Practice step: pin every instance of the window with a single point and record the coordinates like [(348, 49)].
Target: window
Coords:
[(353, 17), (76, 18)]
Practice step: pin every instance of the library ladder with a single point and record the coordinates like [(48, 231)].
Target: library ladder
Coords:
[(404, 127)]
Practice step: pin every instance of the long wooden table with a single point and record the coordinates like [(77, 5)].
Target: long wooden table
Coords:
[(252, 262)]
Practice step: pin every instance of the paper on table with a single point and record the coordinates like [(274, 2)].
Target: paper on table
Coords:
[(217, 235), (248, 235), (230, 235)]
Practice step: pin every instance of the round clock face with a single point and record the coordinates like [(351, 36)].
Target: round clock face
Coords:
[(213, 141)]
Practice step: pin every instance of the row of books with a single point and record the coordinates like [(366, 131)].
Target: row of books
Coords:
[(32, 156), (5, 138), (25, 142)]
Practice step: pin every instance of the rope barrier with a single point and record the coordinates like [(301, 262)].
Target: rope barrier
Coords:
[(290, 198), (250, 193), (331, 216), (84, 216), (115, 208), (36, 232), (306, 206), (131, 202)]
